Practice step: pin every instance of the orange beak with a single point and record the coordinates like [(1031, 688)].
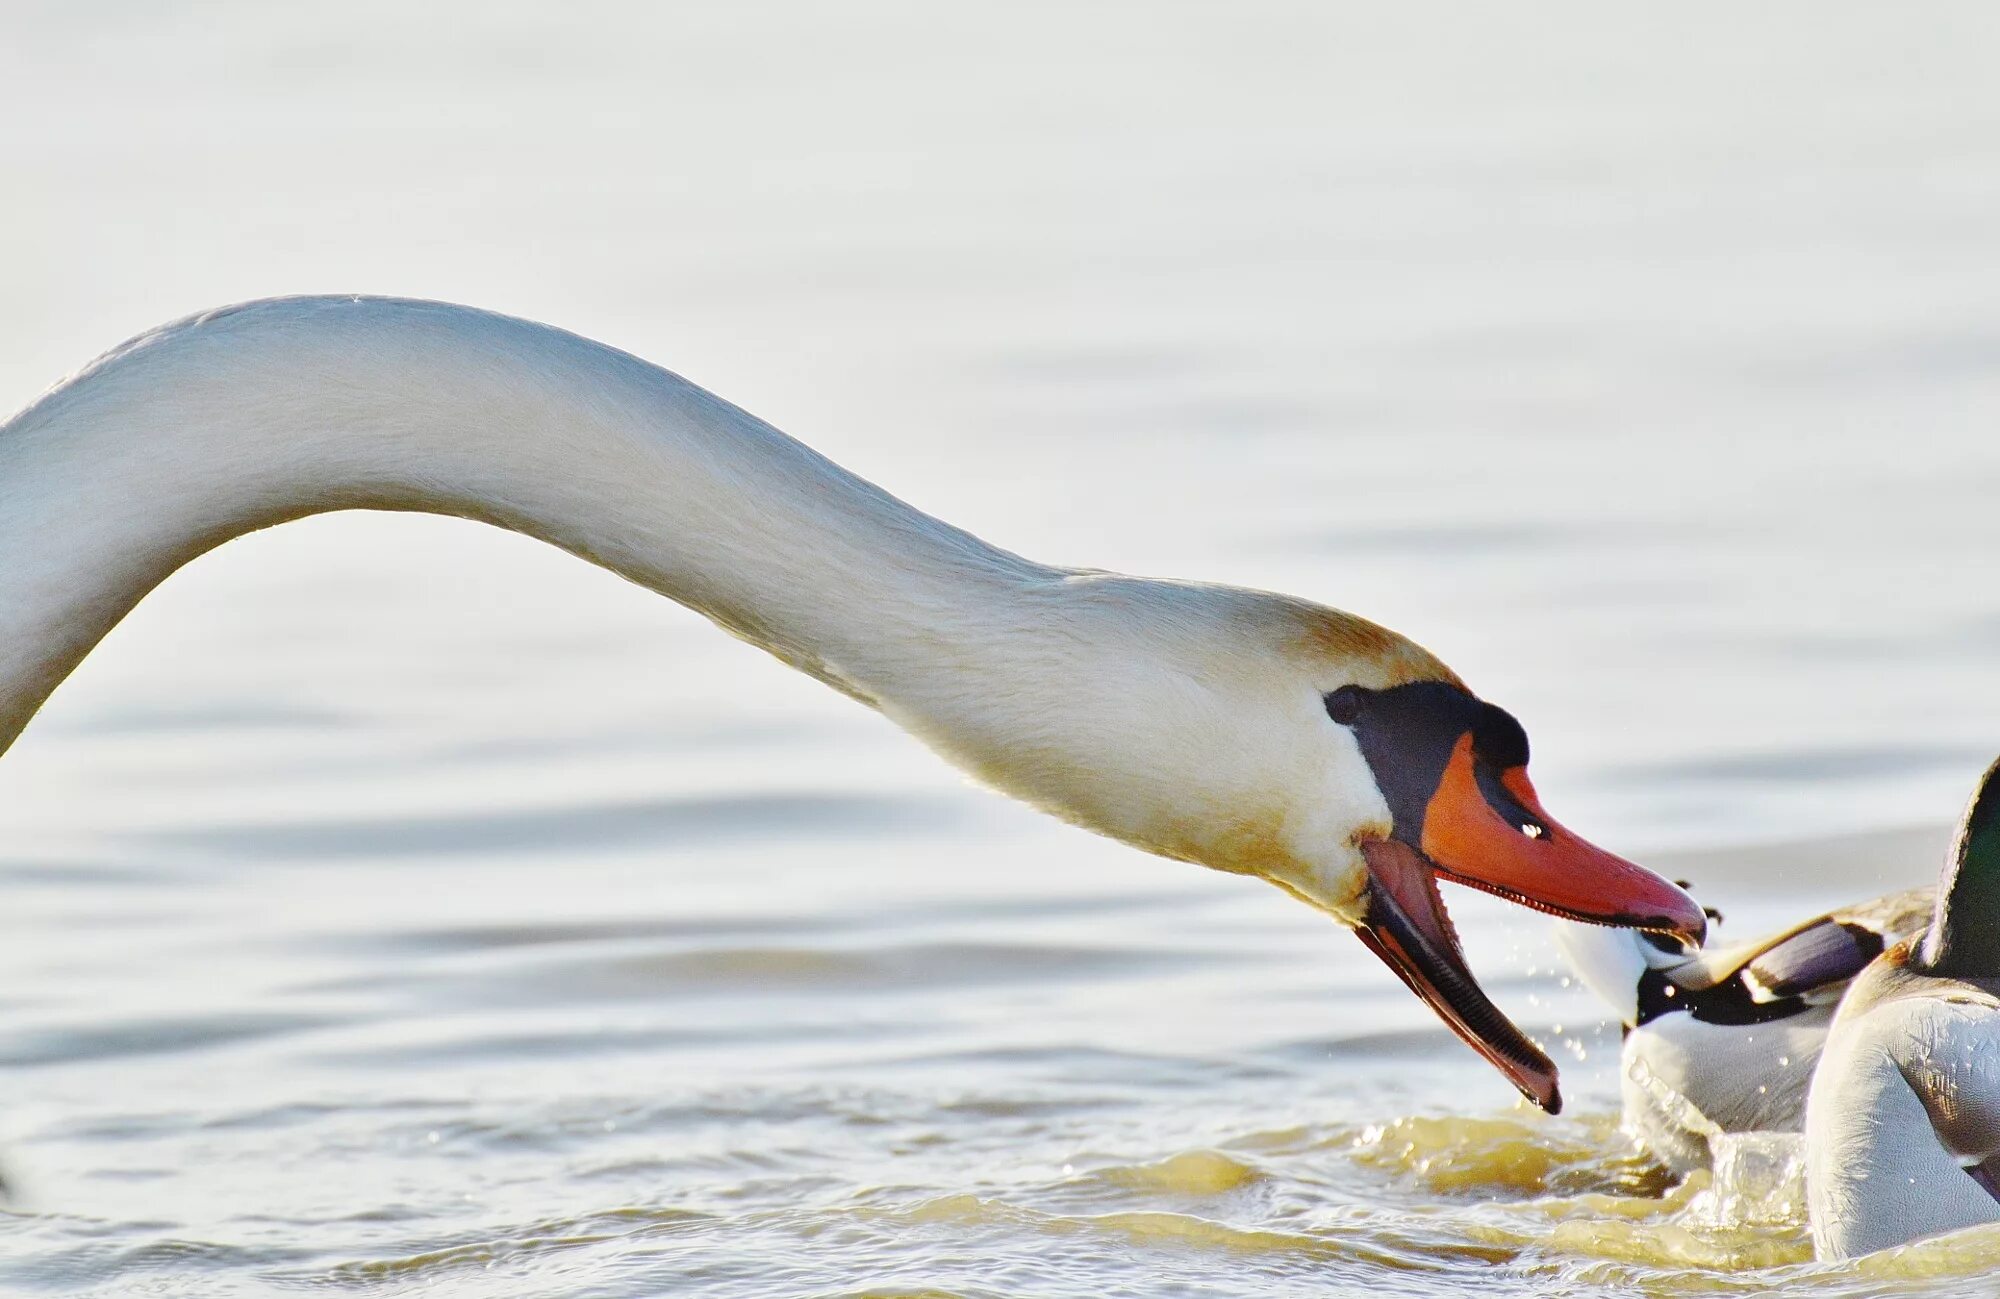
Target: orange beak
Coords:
[(1500, 840), (1489, 831)]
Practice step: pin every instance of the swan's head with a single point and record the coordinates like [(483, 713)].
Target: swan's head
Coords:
[(1264, 736)]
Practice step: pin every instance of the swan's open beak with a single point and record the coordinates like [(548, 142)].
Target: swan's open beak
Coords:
[(1489, 831)]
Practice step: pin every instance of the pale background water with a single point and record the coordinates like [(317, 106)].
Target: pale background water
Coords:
[(394, 906)]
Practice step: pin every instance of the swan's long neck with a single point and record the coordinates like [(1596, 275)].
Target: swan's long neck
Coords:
[(222, 424)]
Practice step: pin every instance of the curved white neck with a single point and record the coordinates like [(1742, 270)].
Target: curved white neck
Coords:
[(252, 416)]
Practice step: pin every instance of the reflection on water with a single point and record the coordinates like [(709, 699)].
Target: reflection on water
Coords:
[(398, 907)]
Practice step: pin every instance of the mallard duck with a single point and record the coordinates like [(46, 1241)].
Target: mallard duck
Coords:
[(1726, 1040), (1903, 1118)]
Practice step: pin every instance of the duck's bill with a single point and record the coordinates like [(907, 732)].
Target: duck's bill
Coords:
[(1486, 829), (1406, 925)]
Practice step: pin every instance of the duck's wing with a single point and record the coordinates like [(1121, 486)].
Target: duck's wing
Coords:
[(1811, 961), (1895, 916), (1820, 957)]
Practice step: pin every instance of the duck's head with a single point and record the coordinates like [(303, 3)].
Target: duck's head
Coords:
[(1625, 966), (1265, 736), (1964, 936)]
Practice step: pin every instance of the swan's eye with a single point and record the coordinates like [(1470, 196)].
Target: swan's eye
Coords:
[(1344, 705)]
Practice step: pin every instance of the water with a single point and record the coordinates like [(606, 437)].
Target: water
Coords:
[(397, 907)]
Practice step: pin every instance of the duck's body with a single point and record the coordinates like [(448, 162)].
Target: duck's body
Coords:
[(1242, 730), (1725, 1039), (1903, 1119)]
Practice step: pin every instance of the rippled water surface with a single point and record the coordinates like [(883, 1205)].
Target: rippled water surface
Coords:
[(396, 907)]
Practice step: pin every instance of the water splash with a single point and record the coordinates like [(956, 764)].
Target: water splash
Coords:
[(1758, 1180)]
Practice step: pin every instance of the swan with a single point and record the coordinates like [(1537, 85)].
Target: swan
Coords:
[(1241, 730), (1903, 1118), (1725, 1039)]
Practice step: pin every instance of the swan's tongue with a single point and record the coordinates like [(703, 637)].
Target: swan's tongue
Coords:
[(1405, 924)]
